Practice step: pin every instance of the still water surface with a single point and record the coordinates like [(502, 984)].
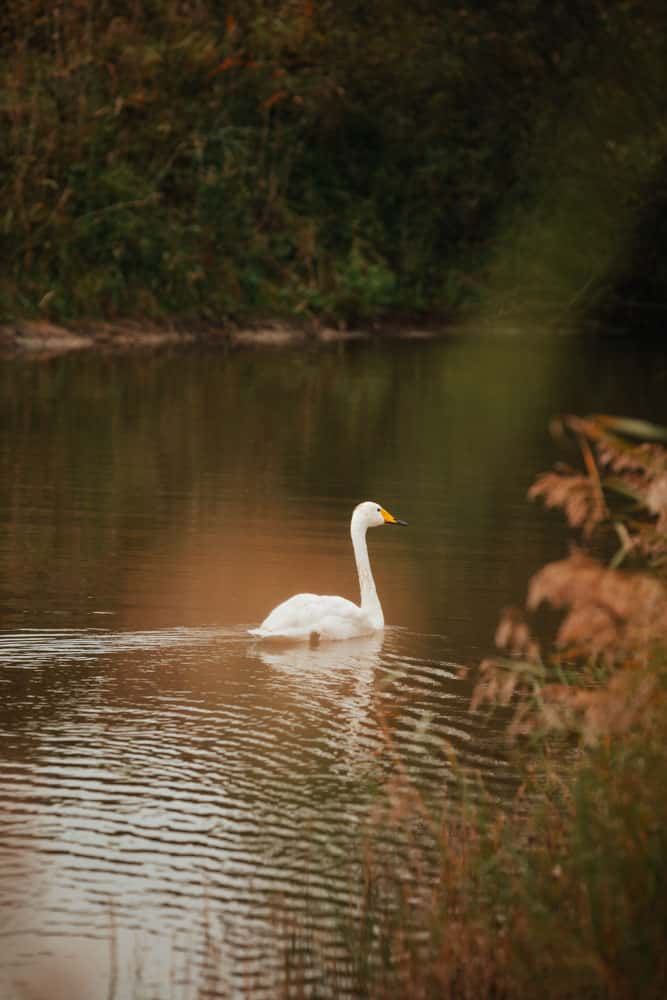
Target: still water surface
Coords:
[(173, 792)]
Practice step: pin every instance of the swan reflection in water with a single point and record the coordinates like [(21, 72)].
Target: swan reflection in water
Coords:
[(337, 678)]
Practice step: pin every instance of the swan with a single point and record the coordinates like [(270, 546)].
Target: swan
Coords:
[(311, 617)]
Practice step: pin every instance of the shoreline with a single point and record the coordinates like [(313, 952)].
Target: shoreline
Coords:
[(40, 338)]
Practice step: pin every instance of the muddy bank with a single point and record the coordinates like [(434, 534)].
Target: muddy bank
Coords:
[(42, 338)]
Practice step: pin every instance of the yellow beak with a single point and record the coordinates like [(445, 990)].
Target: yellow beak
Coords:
[(390, 519)]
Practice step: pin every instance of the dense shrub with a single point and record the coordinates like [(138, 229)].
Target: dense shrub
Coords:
[(208, 160)]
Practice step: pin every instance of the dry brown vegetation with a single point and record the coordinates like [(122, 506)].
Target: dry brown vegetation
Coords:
[(614, 615), (561, 892)]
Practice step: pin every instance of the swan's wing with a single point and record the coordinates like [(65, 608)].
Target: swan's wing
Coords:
[(326, 616)]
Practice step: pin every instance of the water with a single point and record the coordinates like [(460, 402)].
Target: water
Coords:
[(175, 794)]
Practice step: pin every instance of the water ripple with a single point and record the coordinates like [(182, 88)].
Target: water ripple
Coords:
[(175, 787), (30, 646)]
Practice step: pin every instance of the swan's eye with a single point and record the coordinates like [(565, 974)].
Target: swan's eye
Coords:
[(379, 511)]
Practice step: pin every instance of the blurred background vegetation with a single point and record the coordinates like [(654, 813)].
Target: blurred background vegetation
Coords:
[(208, 161)]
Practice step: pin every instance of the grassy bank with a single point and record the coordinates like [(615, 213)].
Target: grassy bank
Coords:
[(562, 892), (319, 162)]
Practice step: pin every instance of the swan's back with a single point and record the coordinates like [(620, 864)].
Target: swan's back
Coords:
[(306, 615)]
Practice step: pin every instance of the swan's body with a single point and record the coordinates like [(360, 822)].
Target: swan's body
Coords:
[(314, 616)]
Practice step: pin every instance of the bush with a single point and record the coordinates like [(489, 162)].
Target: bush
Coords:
[(340, 162)]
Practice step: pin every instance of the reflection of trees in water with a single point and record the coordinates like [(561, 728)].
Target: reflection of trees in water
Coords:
[(111, 467)]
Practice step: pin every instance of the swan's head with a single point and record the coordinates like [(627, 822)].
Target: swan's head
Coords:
[(371, 515)]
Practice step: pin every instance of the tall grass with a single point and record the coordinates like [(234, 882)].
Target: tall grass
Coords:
[(561, 892)]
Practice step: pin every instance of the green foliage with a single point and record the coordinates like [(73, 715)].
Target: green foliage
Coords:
[(341, 161)]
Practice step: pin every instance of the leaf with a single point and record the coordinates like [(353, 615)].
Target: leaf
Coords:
[(226, 64), (279, 95), (633, 428)]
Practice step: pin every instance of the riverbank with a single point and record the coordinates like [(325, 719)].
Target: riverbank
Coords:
[(35, 338)]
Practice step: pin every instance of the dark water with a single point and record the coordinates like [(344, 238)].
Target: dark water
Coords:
[(172, 791)]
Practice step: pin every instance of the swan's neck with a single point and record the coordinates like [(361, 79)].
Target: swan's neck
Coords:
[(370, 603)]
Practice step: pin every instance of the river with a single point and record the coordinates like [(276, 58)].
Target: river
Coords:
[(173, 792)]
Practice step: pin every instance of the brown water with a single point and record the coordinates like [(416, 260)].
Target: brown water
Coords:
[(174, 792)]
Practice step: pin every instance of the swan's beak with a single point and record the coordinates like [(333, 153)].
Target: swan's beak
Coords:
[(390, 519)]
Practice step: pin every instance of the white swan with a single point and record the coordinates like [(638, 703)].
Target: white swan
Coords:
[(315, 617)]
